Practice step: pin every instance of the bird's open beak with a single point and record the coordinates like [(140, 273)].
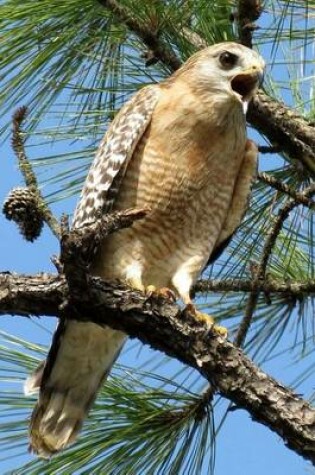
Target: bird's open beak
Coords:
[(247, 82)]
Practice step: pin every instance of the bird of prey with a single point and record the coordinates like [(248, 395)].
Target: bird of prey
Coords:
[(180, 149)]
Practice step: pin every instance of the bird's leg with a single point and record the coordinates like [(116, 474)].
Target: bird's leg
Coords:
[(134, 276), (205, 318), (134, 280), (182, 280)]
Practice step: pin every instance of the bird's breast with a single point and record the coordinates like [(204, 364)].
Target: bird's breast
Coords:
[(184, 170), (187, 182)]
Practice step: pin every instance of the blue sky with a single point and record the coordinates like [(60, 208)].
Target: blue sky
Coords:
[(243, 446)]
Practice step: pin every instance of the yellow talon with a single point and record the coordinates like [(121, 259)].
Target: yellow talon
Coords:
[(150, 289), (206, 319), (164, 292), (222, 331)]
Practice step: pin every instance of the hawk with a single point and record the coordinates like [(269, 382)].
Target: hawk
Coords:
[(180, 149)]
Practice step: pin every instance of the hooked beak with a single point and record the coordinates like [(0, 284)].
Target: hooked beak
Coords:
[(247, 82)]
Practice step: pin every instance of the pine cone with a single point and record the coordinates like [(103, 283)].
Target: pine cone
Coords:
[(21, 207)]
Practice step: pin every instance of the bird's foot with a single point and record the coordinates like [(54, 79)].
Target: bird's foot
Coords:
[(164, 292), (206, 319)]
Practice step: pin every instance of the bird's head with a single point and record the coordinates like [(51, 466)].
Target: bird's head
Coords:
[(229, 70)]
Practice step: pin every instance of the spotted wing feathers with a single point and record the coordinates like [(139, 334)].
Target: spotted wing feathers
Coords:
[(112, 158), (83, 353)]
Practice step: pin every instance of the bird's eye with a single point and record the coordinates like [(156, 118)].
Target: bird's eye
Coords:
[(228, 60)]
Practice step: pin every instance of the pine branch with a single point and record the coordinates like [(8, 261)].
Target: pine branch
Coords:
[(277, 226), (161, 324), (28, 173), (259, 270), (295, 289), (248, 12), (150, 38), (249, 310), (299, 197), (276, 121), (283, 126)]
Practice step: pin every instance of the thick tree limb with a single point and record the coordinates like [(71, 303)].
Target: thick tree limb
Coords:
[(284, 127), (162, 325)]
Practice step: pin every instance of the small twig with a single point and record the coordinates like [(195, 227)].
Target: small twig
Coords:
[(248, 12), (248, 314), (150, 38), (18, 147), (292, 288), (269, 149), (80, 245), (28, 173), (273, 234), (259, 273), (299, 197), (260, 270), (277, 226)]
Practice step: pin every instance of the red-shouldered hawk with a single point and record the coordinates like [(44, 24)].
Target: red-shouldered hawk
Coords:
[(178, 148)]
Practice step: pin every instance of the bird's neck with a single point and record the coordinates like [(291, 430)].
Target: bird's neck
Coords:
[(219, 108)]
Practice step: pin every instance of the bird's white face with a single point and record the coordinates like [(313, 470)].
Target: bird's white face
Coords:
[(229, 68)]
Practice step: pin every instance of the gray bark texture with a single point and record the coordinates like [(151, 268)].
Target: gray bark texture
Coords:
[(164, 326)]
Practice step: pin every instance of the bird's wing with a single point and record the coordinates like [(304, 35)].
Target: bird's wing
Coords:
[(82, 353), (113, 155), (239, 201)]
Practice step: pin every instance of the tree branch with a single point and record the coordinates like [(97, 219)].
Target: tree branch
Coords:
[(147, 34), (283, 126), (161, 324), (277, 122), (298, 196), (248, 12), (27, 171), (270, 286), (259, 270)]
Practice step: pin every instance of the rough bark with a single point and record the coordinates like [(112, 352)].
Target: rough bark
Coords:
[(291, 289), (284, 127), (161, 324)]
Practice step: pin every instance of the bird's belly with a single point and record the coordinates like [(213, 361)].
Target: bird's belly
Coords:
[(188, 191), (182, 229)]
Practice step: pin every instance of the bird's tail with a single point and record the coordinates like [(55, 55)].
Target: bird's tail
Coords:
[(79, 360)]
